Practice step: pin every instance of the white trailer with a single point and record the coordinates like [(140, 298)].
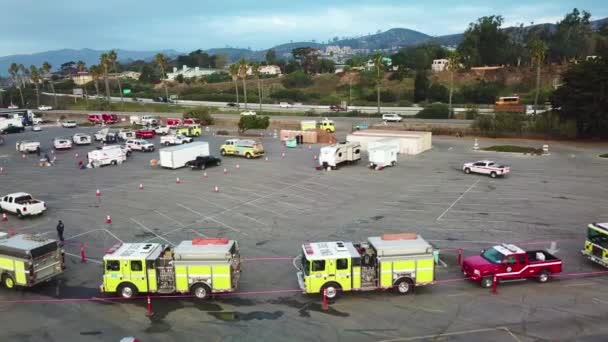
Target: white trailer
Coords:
[(177, 156), (383, 153), (332, 156)]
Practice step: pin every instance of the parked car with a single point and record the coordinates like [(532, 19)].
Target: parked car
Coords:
[(12, 129), (201, 162), (45, 108), (145, 133), (36, 128), (161, 130), (486, 167), (285, 105), (391, 118), (62, 143), (176, 139), (232, 105), (22, 204), (337, 108), (248, 113), (81, 139), (140, 145), (69, 124)]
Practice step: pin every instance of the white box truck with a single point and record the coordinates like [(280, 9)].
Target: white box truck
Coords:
[(383, 153), (177, 156)]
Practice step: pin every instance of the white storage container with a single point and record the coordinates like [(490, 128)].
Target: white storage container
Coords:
[(177, 156)]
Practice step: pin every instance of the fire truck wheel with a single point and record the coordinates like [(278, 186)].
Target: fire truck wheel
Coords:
[(486, 282), (543, 276), (201, 291), (493, 174), (8, 281), (127, 291), (223, 152), (332, 290), (467, 170), (248, 155), (404, 286)]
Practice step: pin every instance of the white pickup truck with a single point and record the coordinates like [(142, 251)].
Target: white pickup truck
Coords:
[(486, 167), (174, 140), (161, 130), (27, 146), (22, 204)]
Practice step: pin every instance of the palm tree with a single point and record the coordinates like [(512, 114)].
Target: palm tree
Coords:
[(35, 77), (538, 50), (243, 68), (113, 56), (453, 66), (95, 71), (23, 72), (255, 70), (104, 62), (14, 72), (377, 59), (46, 68), (234, 72), (81, 67), (161, 61)]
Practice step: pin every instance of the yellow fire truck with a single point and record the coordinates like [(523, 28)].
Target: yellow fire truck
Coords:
[(392, 261), (27, 260), (596, 244), (200, 267)]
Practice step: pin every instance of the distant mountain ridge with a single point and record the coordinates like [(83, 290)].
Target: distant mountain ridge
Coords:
[(391, 39)]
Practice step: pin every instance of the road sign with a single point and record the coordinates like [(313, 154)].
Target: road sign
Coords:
[(78, 91), (126, 91)]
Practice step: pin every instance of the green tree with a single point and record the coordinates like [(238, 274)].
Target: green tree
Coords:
[(326, 66), (453, 67), (271, 57), (220, 61), (13, 70), (35, 77), (162, 62), (573, 37), (96, 73), (439, 93), (113, 57), (234, 73), (297, 79), (81, 67), (179, 78), (307, 57), (485, 43), (379, 66), (253, 122), (46, 69), (434, 111), (421, 86), (200, 113), (243, 69), (582, 97), (255, 70), (104, 61), (148, 74), (538, 50)]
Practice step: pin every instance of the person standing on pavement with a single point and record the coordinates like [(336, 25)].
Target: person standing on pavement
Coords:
[(60, 228)]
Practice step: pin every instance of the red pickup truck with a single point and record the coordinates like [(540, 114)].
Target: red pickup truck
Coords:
[(145, 134), (510, 262)]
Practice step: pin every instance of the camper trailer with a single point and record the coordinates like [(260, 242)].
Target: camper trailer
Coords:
[(332, 156)]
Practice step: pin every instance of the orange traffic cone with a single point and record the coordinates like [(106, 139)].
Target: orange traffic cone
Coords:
[(1, 169), (4, 218), (108, 219), (266, 158), (204, 174), (216, 189), (238, 166), (76, 155), (97, 193), (177, 180), (282, 154), (225, 171), (141, 186)]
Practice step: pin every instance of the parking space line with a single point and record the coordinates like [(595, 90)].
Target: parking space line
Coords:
[(169, 218), (81, 234), (455, 333), (114, 236), (209, 217), (199, 233), (257, 206), (149, 230), (87, 259), (236, 212), (458, 199)]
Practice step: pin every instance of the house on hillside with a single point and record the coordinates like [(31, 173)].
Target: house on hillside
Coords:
[(439, 65), (82, 78), (270, 70), (387, 61), (188, 72)]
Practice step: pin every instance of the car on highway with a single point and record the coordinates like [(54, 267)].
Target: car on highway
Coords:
[(176, 139), (248, 113), (509, 262), (285, 105), (160, 99), (69, 124), (62, 143), (140, 145), (36, 128), (145, 133), (45, 108), (12, 106), (232, 105), (337, 108), (486, 167), (201, 162), (391, 118)]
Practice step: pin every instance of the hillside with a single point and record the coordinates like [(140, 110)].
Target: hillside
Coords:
[(58, 57), (385, 40)]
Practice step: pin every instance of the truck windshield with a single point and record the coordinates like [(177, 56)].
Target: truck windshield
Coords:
[(492, 255), (305, 265), (597, 237)]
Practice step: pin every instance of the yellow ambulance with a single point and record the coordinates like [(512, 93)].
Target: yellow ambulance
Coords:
[(200, 267), (392, 261), (189, 131)]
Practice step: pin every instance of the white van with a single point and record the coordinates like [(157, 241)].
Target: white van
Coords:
[(332, 156), (109, 156)]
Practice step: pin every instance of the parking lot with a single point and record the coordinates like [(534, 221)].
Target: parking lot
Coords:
[(272, 206)]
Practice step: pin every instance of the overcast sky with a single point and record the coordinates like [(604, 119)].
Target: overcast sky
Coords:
[(29, 26)]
